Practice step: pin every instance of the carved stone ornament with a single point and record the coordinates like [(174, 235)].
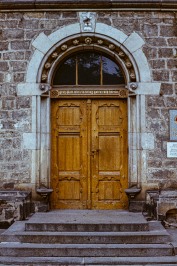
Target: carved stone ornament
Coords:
[(76, 42), (111, 46), (47, 65), (121, 54), (132, 75), (128, 64), (88, 40), (54, 55), (44, 77), (87, 21), (100, 42), (64, 47), (133, 86), (44, 87)]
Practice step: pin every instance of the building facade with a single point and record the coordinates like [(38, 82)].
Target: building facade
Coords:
[(99, 141)]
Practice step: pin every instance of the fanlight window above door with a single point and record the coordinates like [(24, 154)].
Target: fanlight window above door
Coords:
[(88, 68)]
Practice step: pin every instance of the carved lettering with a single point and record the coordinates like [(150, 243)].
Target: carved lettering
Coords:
[(121, 93)]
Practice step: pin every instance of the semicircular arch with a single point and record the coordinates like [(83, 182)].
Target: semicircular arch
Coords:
[(85, 42)]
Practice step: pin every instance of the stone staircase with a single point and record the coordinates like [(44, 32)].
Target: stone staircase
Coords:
[(73, 237)]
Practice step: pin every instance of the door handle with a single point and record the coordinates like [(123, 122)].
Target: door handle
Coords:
[(94, 152)]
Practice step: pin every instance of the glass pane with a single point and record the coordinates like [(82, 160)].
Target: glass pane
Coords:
[(89, 69), (112, 74), (66, 73)]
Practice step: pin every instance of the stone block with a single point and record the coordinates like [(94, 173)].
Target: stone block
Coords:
[(168, 31), (107, 21), (172, 41), (18, 77), (42, 43), (165, 52), (20, 45), (33, 67), (17, 66), (29, 141), (161, 75), (2, 77), (8, 103), (14, 15), (133, 42), (155, 101), (145, 88), (156, 41), (145, 75), (28, 24), (166, 89), (64, 32), (174, 75), (6, 143), (9, 185), (136, 206), (155, 163), (113, 32), (4, 114), (150, 30), (17, 143), (3, 46), (151, 53), (4, 66), (14, 56), (53, 15), (13, 34), (8, 155), (28, 89), (23, 102), (69, 14), (172, 63), (158, 63), (15, 206), (147, 141)]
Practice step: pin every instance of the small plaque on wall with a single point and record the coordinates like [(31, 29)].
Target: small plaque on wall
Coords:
[(173, 125), (171, 149)]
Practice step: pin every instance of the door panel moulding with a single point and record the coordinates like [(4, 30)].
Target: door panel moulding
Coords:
[(66, 40)]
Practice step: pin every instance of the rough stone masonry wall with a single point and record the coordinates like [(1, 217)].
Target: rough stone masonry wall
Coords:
[(17, 30)]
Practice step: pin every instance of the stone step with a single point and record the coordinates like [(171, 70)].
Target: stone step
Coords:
[(154, 237), (81, 250), (98, 261), (56, 227), (87, 221)]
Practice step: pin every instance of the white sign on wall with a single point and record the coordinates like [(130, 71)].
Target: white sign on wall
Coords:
[(171, 149), (173, 125)]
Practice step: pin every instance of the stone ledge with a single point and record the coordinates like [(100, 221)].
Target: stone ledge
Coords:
[(15, 205), (93, 4)]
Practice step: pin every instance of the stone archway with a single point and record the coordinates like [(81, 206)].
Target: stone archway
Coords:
[(38, 83)]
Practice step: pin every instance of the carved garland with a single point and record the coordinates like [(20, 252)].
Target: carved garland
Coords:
[(85, 41)]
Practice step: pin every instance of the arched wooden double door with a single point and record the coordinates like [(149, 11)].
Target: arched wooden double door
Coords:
[(89, 153), (89, 149)]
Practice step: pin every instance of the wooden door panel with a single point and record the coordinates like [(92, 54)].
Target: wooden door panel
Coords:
[(109, 150), (109, 190), (69, 157), (109, 165)]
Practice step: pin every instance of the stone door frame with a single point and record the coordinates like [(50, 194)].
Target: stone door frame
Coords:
[(38, 80)]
